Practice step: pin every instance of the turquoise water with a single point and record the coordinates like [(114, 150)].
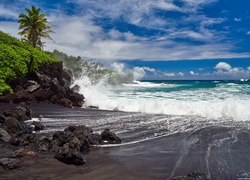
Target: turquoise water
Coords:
[(210, 99)]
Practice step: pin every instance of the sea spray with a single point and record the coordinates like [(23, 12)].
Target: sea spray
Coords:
[(209, 99)]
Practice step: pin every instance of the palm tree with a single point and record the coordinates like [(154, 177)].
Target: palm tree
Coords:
[(34, 26)]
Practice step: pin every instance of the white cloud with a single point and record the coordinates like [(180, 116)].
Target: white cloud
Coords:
[(81, 35), (248, 68), (237, 19), (149, 69), (223, 66), (169, 74), (138, 73), (248, 33), (193, 73), (181, 74)]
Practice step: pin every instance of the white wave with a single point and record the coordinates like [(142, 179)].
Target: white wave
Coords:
[(144, 84), (215, 103)]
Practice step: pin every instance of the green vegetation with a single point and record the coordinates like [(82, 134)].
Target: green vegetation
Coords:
[(34, 26), (16, 61)]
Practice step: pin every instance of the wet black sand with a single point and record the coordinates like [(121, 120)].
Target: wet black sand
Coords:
[(222, 151)]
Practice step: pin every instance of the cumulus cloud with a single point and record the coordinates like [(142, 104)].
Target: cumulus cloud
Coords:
[(181, 74), (149, 69), (138, 73), (84, 33), (223, 66), (192, 73), (170, 74)]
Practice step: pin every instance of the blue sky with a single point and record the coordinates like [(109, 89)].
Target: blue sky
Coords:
[(155, 39)]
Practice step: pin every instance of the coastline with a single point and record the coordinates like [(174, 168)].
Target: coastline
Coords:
[(210, 150), (44, 166)]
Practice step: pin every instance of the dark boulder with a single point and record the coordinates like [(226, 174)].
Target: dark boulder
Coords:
[(69, 155), (4, 135), (12, 126), (44, 144), (110, 137), (76, 88), (23, 96), (77, 99), (23, 139), (11, 163), (31, 86), (65, 102), (61, 137), (82, 133), (42, 94), (8, 98), (2, 118), (37, 125), (24, 153), (95, 139), (43, 80), (19, 113), (25, 129)]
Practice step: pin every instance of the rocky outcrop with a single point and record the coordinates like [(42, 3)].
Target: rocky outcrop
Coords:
[(110, 137), (4, 135), (67, 146), (11, 163), (49, 84)]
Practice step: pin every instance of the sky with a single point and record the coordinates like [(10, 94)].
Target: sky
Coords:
[(154, 39)]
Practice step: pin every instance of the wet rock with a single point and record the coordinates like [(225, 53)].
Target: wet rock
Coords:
[(82, 133), (25, 129), (24, 153), (76, 88), (76, 98), (65, 102), (192, 176), (11, 163), (197, 175), (7, 98), (19, 153), (42, 94), (23, 139), (4, 135), (69, 155), (110, 137), (2, 118), (31, 86), (12, 126), (23, 96), (95, 139), (61, 137), (43, 80), (44, 144), (93, 107), (19, 113), (37, 125)]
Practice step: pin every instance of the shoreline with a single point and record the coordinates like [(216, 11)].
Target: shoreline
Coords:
[(44, 166), (211, 150)]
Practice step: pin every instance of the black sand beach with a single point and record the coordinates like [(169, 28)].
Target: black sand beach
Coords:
[(219, 150)]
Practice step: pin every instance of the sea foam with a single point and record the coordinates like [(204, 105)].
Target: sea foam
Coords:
[(222, 101)]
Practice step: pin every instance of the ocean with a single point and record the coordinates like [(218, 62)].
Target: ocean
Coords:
[(209, 99), (169, 128)]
